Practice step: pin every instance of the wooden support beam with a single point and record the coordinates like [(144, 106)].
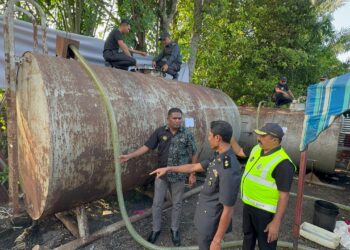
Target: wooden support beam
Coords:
[(69, 223), (82, 219), (118, 225)]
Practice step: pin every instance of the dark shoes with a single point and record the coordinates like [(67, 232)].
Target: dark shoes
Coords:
[(175, 236), (153, 237)]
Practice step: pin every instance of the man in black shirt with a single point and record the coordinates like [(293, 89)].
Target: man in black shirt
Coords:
[(265, 187), (176, 146), (282, 94), (116, 52), (169, 60)]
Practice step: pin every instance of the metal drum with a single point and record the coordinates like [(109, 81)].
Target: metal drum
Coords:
[(322, 153), (65, 154)]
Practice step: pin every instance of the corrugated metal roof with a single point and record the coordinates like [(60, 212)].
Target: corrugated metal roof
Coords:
[(91, 48)]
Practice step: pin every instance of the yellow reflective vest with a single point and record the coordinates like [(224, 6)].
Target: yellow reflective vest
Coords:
[(258, 187)]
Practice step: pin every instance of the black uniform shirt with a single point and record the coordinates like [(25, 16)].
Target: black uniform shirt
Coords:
[(112, 40), (283, 87), (221, 188), (171, 53)]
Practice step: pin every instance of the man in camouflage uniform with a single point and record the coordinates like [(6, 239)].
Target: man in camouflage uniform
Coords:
[(176, 146)]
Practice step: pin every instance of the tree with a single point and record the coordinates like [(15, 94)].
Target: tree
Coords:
[(167, 10), (142, 14), (257, 41), (77, 16), (199, 10)]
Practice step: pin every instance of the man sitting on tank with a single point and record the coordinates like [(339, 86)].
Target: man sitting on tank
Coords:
[(116, 52), (169, 60), (282, 94)]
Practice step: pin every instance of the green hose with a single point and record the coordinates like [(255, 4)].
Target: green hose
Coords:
[(115, 139)]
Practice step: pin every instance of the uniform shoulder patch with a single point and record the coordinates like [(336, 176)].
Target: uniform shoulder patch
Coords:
[(227, 162)]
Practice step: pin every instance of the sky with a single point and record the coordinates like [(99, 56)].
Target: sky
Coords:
[(342, 21)]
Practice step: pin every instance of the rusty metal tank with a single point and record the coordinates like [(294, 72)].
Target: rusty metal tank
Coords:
[(323, 154), (65, 154)]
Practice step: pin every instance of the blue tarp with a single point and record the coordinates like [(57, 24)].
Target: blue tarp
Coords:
[(325, 101)]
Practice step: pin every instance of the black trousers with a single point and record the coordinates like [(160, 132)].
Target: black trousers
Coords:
[(119, 60), (172, 68), (280, 99), (254, 223), (204, 241)]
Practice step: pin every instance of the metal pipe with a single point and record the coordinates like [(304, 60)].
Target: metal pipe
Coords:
[(10, 75), (10, 81), (299, 198), (341, 206), (8, 26), (35, 28), (261, 103)]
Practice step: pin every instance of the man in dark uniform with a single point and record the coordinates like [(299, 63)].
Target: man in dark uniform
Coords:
[(116, 52), (282, 94), (176, 146), (265, 187), (169, 60), (215, 203), (323, 78)]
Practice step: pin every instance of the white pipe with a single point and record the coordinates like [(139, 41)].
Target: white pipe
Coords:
[(319, 235)]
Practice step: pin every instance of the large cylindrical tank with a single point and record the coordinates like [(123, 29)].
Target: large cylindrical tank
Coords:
[(322, 154), (65, 154)]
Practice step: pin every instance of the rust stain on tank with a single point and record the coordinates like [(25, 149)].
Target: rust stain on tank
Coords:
[(65, 148)]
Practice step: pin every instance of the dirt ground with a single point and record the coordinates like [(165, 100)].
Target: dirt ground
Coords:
[(51, 233)]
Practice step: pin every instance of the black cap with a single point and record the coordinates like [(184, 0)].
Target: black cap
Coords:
[(125, 21), (164, 35), (271, 129), (283, 78)]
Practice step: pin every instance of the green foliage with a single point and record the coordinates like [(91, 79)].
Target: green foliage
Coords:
[(4, 175), (257, 41), (245, 46), (143, 20), (181, 28)]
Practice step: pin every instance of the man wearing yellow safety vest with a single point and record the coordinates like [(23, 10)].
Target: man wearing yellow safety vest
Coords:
[(265, 187)]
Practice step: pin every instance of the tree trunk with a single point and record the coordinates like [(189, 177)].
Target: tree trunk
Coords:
[(196, 35), (167, 10), (77, 17), (137, 15), (193, 53)]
